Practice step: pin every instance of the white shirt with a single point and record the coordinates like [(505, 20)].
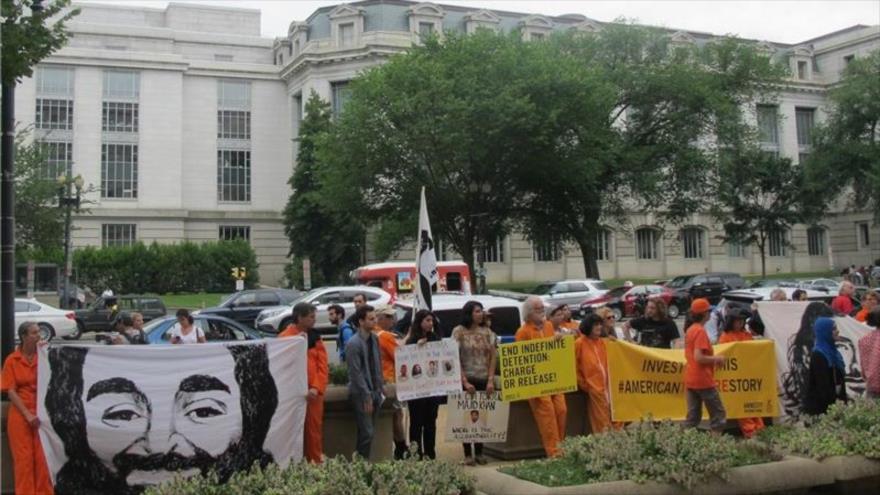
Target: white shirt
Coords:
[(190, 338)]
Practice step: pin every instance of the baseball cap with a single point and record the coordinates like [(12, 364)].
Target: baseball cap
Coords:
[(386, 310), (700, 306)]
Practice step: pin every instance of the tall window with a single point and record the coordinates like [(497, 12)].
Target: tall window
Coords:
[(118, 234), (736, 249), (233, 175), (121, 85), (341, 95), (816, 241), (692, 242), (776, 243), (547, 250), (346, 34), (768, 124), (119, 170), (235, 232), (120, 117), (58, 159), (426, 29), (493, 251), (54, 103), (233, 141), (54, 113), (802, 69), (647, 244), (804, 119), (603, 245), (864, 233)]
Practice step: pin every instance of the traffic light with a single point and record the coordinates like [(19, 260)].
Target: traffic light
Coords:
[(235, 273), (242, 272)]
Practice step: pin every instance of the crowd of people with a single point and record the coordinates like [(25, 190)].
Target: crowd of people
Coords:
[(369, 338)]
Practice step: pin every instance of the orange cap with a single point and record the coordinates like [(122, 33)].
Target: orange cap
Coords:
[(700, 306)]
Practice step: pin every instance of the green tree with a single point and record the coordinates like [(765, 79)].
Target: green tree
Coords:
[(331, 238), (39, 223), (27, 38), (637, 134), (847, 147), (758, 195)]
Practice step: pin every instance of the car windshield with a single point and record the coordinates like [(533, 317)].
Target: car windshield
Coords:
[(542, 289), (600, 285), (677, 282), (774, 283), (304, 296)]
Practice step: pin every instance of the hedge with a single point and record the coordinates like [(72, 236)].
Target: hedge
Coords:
[(164, 268)]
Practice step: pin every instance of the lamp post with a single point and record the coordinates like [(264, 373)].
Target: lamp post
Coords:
[(478, 190), (68, 201)]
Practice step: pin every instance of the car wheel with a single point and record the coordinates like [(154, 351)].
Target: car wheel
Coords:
[(46, 331), (673, 311), (77, 333), (618, 314)]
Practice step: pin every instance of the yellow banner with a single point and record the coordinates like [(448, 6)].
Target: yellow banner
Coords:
[(646, 381), (534, 368)]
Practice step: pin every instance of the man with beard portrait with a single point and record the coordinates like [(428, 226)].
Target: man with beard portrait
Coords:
[(123, 430)]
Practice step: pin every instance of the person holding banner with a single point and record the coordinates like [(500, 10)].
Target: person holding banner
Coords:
[(825, 384), (735, 331), (476, 349), (550, 410), (699, 371), (20, 383), (318, 373), (592, 373), (423, 412)]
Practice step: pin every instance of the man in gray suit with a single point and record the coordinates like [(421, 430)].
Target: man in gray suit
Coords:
[(364, 378)]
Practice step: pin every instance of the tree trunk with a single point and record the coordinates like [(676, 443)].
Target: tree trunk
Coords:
[(588, 253), (762, 247)]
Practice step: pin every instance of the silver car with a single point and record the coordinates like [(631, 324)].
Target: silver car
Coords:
[(275, 319), (571, 292)]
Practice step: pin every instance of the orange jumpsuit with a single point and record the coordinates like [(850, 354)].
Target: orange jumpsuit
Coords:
[(571, 325), (592, 376), (387, 346), (318, 376), (31, 471), (748, 426), (549, 411)]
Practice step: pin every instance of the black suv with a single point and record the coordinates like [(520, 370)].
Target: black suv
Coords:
[(244, 306), (707, 285), (99, 316)]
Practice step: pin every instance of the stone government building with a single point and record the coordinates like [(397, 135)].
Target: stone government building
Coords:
[(186, 119)]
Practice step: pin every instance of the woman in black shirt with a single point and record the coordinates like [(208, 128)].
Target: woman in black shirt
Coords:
[(825, 384), (423, 412)]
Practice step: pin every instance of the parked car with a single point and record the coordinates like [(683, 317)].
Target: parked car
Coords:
[(821, 284), (506, 317), (771, 283), (244, 306), (276, 318), (624, 301), (53, 322), (707, 285), (216, 329), (98, 317), (744, 298), (571, 292)]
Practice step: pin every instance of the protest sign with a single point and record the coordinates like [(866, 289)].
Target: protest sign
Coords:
[(647, 381), (533, 368), (428, 370), (790, 325), (116, 418), (476, 417)]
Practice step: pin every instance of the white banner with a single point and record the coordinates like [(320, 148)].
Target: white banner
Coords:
[(790, 324), (426, 260), (476, 418), (428, 370), (117, 418)]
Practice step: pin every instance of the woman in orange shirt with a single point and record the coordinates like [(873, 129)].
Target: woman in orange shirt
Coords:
[(20, 383), (735, 331), (869, 302), (592, 373)]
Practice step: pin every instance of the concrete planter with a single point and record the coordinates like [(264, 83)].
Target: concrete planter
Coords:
[(853, 474), (340, 431), (792, 475)]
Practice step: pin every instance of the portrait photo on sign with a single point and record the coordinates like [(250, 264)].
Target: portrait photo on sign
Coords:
[(122, 418)]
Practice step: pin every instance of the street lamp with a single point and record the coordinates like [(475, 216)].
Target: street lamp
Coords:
[(69, 202), (480, 189)]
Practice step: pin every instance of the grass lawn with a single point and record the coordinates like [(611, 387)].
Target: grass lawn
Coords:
[(191, 301)]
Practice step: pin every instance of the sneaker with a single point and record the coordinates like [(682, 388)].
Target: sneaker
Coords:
[(481, 460)]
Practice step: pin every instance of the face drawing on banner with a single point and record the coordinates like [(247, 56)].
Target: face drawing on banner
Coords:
[(432, 368), (123, 430), (417, 371), (448, 368), (403, 373), (800, 347)]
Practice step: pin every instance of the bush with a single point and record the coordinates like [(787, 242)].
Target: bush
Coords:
[(164, 268), (338, 374), (642, 452), (336, 476), (846, 429)]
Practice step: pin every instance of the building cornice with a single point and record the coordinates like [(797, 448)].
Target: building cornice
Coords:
[(168, 34)]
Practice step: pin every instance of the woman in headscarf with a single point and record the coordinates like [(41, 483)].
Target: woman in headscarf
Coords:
[(735, 331), (825, 384)]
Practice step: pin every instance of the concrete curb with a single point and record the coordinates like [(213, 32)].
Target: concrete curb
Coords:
[(854, 474), (790, 475)]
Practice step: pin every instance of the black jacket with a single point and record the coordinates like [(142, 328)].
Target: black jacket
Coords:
[(825, 385)]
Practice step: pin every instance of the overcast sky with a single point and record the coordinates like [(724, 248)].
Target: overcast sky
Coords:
[(786, 21)]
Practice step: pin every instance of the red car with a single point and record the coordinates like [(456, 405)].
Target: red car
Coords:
[(622, 300)]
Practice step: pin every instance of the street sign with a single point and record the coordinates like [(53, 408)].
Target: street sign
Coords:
[(307, 273)]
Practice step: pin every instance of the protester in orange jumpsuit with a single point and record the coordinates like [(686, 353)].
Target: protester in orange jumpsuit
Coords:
[(735, 331), (384, 330), (318, 375), (20, 383), (592, 373), (549, 411), (567, 321)]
